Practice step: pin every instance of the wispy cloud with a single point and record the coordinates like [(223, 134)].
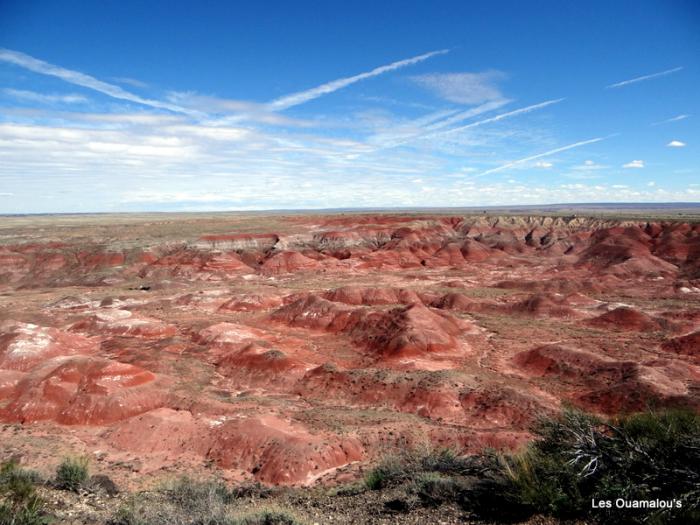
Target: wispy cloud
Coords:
[(227, 111), (635, 164), (426, 127), (463, 88), (45, 98), (672, 119), (300, 97), (588, 165), (87, 81), (545, 154), (464, 115), (643, 78), (502, 116), (676, 144), (131, 82)]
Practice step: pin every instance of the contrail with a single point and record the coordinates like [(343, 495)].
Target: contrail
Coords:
[(545, 154), (645, 77), (502, 116), (430, 129), (304, 96), (81, 79), (672, 119)]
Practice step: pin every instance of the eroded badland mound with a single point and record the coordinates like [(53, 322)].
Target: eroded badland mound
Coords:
[(297, 349)]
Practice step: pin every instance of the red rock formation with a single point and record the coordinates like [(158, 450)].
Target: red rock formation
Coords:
[(684, 345), (288, 262), (277, 451), (251, 302), (401, 332), (124, 322), (169, 343), (545, 304), (257, 365), (24, 345), (356, 295), (83, 390), (625, 318)]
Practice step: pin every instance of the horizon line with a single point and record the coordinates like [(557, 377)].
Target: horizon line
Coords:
[(650, 205)]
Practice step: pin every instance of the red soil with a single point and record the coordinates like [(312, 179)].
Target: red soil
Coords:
[(285, 356), (276, 451), (288, 262), (684, 345), (24, 346), (83, 390), (545, 304), (624, 318)]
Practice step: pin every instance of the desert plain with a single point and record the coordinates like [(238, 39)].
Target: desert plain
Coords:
[(297, 349)]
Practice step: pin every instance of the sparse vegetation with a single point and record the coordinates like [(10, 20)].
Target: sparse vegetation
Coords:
[(268, 516), (391, 470), (19, 502), (576, 458), (434, 488), (72, 474), (199, 502), (182, 502)]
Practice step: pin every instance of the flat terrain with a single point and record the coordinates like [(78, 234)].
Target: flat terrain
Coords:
[(296, 349)]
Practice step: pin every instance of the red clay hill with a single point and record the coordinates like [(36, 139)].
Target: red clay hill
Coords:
[(297, 349)]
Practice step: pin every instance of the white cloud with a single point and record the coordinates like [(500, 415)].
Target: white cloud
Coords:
[(645, 77), (588, 165), (463, 88), (45, 98), (226, 154), (676, 144), (651, 184), (634, 164), (229, 111), (369, 192), (300, 97)]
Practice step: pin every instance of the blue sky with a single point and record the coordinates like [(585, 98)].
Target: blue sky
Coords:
[(135, 106)]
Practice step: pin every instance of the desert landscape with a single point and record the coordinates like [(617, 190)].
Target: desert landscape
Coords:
[(299, 349), (364, 263)]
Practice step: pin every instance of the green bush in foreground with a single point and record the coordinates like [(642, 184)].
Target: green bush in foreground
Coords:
[(574, 459), (19, 502), (72, 474)]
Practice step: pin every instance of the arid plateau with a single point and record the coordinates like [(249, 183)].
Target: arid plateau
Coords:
[(296, 349)]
